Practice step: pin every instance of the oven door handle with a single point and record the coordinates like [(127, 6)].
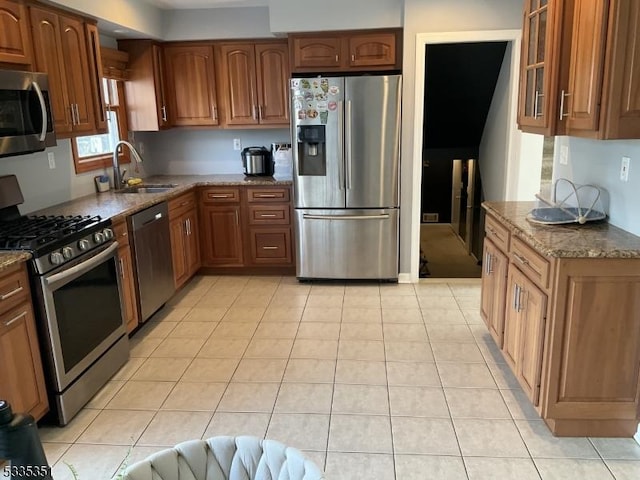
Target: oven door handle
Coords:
[(82, 267), (43, 108)]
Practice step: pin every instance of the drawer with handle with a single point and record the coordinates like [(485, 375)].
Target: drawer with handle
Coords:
[(14, 289), (181, 204), (531, 263), (255, 195), (271, 246), (497, 233), (269, 215), (220, 195)]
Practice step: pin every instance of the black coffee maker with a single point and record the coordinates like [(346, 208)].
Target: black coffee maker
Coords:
[(20, 444)]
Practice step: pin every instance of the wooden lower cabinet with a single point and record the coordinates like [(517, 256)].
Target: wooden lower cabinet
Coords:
[(21, 376), (185, 243), (221, 238), (127, 279), (524, 323), (494, 283), (571, 333), (246, 227)]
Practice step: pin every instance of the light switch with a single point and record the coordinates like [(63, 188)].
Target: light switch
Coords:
[(624, 169), (52, 160)]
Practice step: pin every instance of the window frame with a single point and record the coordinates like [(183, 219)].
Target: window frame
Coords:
[(97, 162)]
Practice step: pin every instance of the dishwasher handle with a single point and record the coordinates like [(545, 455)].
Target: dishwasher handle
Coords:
[(157, 216), (148, 216)]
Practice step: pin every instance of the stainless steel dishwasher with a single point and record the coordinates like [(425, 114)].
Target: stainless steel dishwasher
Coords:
[(152, 256)]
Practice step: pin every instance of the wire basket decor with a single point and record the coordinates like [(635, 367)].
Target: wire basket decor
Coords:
[(571, 203)]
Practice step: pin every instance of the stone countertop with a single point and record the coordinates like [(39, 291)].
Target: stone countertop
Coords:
[(591, 240), (9, 259), (116, 205)]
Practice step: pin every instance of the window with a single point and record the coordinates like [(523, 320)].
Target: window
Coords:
[(93, 152)]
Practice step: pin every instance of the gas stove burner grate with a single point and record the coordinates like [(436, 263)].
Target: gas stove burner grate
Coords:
[(34, 232)]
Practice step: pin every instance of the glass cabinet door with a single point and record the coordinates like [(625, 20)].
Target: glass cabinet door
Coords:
[(540, 70)]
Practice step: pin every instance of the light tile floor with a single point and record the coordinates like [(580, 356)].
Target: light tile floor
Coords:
[(371, 381)]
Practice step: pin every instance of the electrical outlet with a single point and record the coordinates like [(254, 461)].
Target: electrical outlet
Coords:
[(237, 144), (564, 155), (624, 169), (52, 160)]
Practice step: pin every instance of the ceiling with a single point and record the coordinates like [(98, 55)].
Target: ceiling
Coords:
[(185, 4)]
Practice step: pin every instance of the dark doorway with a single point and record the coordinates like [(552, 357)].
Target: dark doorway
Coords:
[(460, 80)]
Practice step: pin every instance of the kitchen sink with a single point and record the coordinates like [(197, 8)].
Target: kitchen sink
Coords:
[(148, 188)]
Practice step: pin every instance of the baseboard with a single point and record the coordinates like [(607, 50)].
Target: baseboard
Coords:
[(404, 278)]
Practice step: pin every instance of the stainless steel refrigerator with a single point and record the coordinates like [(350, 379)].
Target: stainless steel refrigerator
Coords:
[(346, 154)]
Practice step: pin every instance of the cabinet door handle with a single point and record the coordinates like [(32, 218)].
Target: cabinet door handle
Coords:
[(260, 112), (520, 259), (563, 95), (75, 107), (163, 109), (11, 293), (255, 112), (187, 226), (15, 319), (353, 58), (490, 264), (121, 268), (519, 307), (268, 215), (184, 204), (215, 112), (515, 298), (265, 195), (219, 195), (237, 219), (337, 58), (536, 109), (269, 248), (486, 263)]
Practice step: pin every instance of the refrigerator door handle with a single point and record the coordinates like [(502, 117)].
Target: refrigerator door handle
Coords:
[(341, 147), (308, 216), (348, 142)]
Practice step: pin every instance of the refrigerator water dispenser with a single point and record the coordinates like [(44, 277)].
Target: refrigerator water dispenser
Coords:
[(312, 157)]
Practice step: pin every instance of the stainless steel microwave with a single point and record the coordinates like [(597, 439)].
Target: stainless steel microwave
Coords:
[(26, 122)]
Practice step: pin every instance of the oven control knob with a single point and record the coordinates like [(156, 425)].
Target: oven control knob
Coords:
[(84, 244), (98, 237), (56, 258), (67, 252), (108, 233)]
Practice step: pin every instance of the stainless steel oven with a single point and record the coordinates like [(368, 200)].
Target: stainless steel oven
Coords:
[(77, 297), (83, 327)]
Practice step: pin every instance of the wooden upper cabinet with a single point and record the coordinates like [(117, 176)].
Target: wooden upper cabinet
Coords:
[(543, 75), (620, 109), (15, 40), (61, 50), (316, 52), (587, 59), (272, 70), (191, 87), (346, 51), (238, 72), (145, 86), (254, 83), (376, 49), (74, 46), (96, 73), (578, 74), (49, 59)]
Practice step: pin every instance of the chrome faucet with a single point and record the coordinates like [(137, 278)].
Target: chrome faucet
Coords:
[(117, 176)]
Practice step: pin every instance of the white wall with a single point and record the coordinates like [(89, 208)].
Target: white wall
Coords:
[(526, 169), (598, 163), (494, 154), (427, 16), (199, 152), (216, 23), (136, 15), (302, 16), (43, 187)]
